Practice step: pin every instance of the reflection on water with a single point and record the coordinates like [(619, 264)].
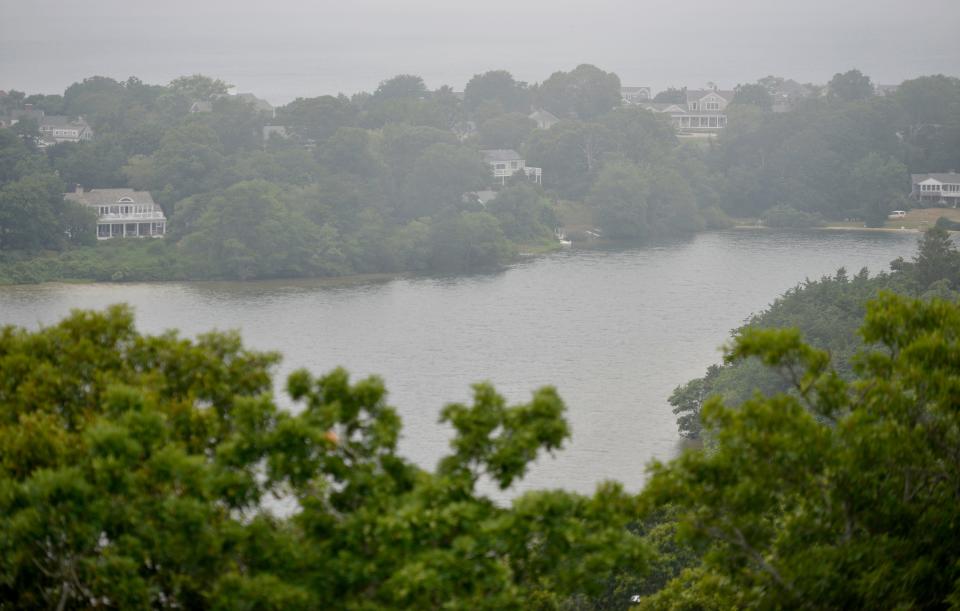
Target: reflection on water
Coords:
[(615, 331)]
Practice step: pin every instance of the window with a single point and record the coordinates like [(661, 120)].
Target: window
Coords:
[(514, 165), (500, 166)]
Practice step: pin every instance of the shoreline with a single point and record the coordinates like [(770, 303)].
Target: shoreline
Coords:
[(836, 228)]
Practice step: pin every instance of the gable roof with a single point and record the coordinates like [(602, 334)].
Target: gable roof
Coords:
[(63, 121), (106, 197), (498, 155), (543, 116), (948, 177), (698, 94), (669, 107)]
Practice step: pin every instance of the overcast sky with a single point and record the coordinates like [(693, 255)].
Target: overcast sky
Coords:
[(281, 49)]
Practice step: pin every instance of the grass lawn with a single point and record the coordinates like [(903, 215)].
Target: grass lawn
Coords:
[(918, 218), (574, 217)]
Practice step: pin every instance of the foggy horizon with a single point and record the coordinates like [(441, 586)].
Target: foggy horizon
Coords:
[(293, 49)]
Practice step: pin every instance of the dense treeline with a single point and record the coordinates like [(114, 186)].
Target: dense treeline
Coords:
[(138, 472), (375, 182), (828, 313)]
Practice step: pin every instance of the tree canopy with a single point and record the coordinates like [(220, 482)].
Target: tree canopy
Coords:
[(137, 472)]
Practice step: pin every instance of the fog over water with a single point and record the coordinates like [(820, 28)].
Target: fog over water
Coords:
[(289, 48)]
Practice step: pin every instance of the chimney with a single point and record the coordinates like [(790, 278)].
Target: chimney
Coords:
[(78, 189)]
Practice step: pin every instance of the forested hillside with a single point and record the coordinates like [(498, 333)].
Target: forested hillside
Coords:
[(828, 313), (376, 182)]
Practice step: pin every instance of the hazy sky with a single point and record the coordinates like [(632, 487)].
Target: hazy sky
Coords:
[(281, 49)]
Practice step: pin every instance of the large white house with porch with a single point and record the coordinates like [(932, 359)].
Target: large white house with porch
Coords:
[(122, 213), (939, 188), (704, 110), (504, 163)]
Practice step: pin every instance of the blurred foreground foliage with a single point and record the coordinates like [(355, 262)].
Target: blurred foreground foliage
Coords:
[(141, 472)]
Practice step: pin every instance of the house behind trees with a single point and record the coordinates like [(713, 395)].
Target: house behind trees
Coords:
[(504, 163)]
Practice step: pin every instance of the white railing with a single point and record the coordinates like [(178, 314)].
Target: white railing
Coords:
[(156, 215)]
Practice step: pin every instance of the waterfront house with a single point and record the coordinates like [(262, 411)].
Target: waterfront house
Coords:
[(704, 111), (122, 213), (504, 163), (942, 189)]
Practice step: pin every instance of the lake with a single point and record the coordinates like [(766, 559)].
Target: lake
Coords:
[(614, 330)]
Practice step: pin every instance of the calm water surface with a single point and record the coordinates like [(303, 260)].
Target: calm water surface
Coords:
[(615, 332)]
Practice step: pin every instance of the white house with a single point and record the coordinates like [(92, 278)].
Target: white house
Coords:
[(504, 163), (703, 112), (544, 118), (55, 129), (122, 213), (940, 188)]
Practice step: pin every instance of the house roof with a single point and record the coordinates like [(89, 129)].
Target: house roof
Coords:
[(699, 94), (669, 107), (62, 121), (949, 177), (103, 197), (543, 116), (495, 155)]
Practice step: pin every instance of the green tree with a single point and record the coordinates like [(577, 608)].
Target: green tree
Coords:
[(850, 86), (317, 118), (753, 94), (639, 134), (841, 494), (137, 469), (499, 87), (34, 215), (506, 131), (586, 92), (671, 95), (467, 241), (402, 86), (95, 165), (248, 231), (570, 154), (937, 259), (880, 183), (524, 213), (440, 177), (189, 161), (620, 198), (198, 87)]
